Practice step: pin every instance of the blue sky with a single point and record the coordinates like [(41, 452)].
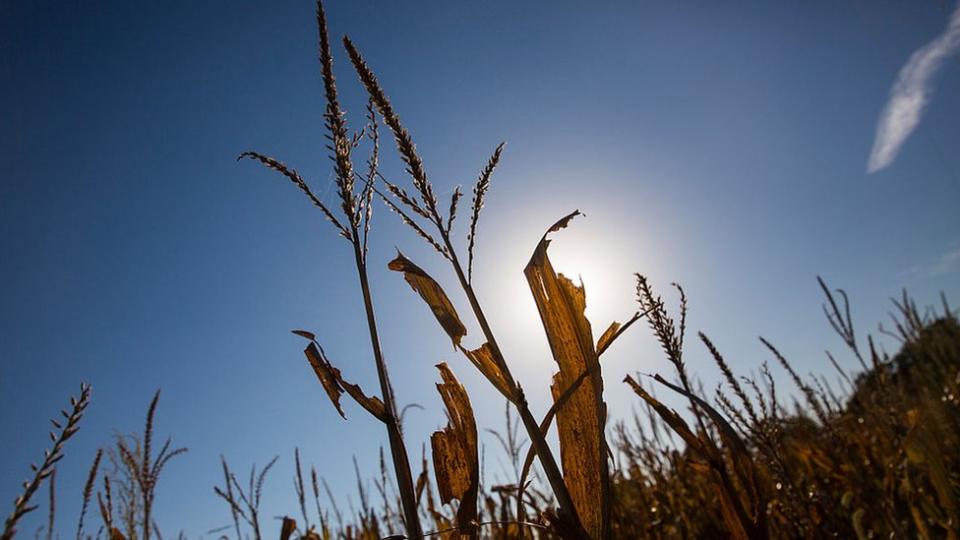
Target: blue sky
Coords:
[(726, 149)]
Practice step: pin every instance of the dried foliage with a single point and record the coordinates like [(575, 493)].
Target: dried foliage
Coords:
[(731, 451), (581, 422), (432, 294), (357, 210), (455, 460), (488, 358), (875, 457), (335, 385)]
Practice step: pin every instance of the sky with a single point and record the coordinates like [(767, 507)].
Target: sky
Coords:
[(739, 151)]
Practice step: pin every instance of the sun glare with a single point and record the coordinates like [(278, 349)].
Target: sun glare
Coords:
[(595, 261)]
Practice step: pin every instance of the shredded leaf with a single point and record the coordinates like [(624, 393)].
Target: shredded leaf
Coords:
[(334, 384), (287, 528), (581, 421), (482, 358), (455, 454)]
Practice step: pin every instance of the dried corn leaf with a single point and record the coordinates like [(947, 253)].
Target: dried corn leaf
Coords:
[(334, 385), (727, 433), (482, 358), (607, 338), (581, 421), (305, 334), (287, 528), (670, 416), (432, 294), (421, 484), (324, 372), (612, 333), (740, 457), (455, 460)]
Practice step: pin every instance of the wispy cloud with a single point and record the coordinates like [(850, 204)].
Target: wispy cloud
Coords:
[(947, 263), (910, 95)]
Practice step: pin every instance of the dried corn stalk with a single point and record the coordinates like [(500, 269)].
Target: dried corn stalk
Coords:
[(581, 420), (455, 460)]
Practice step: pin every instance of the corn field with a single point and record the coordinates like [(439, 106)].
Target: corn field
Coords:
[(878, 457)]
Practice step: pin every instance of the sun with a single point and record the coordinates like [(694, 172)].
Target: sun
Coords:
[(597, 262)]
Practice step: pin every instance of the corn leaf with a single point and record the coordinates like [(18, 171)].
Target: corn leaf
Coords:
[(607, 337), (672, 418), (482, 358), (287, 528), (455, 459), (581, 421), (334, 384), (432, 294)]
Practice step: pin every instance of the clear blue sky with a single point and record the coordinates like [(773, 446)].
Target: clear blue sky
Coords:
[(724, 149)]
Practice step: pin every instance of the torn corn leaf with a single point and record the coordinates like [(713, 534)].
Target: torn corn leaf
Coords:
[(607, 337), (727, 433), (670, 416), (432, 294), (581, 421), (372, 404), (304, 334), (482, 358), (334, 385), (455, 460), (421, 484), (287, 528), (324, 372)]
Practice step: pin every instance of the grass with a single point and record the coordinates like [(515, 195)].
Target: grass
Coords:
[(877, 456)]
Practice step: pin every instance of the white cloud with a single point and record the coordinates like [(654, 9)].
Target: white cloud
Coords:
[(910, 95), (947, 263)]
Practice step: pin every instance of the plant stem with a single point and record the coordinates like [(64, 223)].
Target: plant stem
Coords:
[(398, 451)]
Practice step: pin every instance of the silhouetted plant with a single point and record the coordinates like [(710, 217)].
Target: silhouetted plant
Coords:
[(61, 434)]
